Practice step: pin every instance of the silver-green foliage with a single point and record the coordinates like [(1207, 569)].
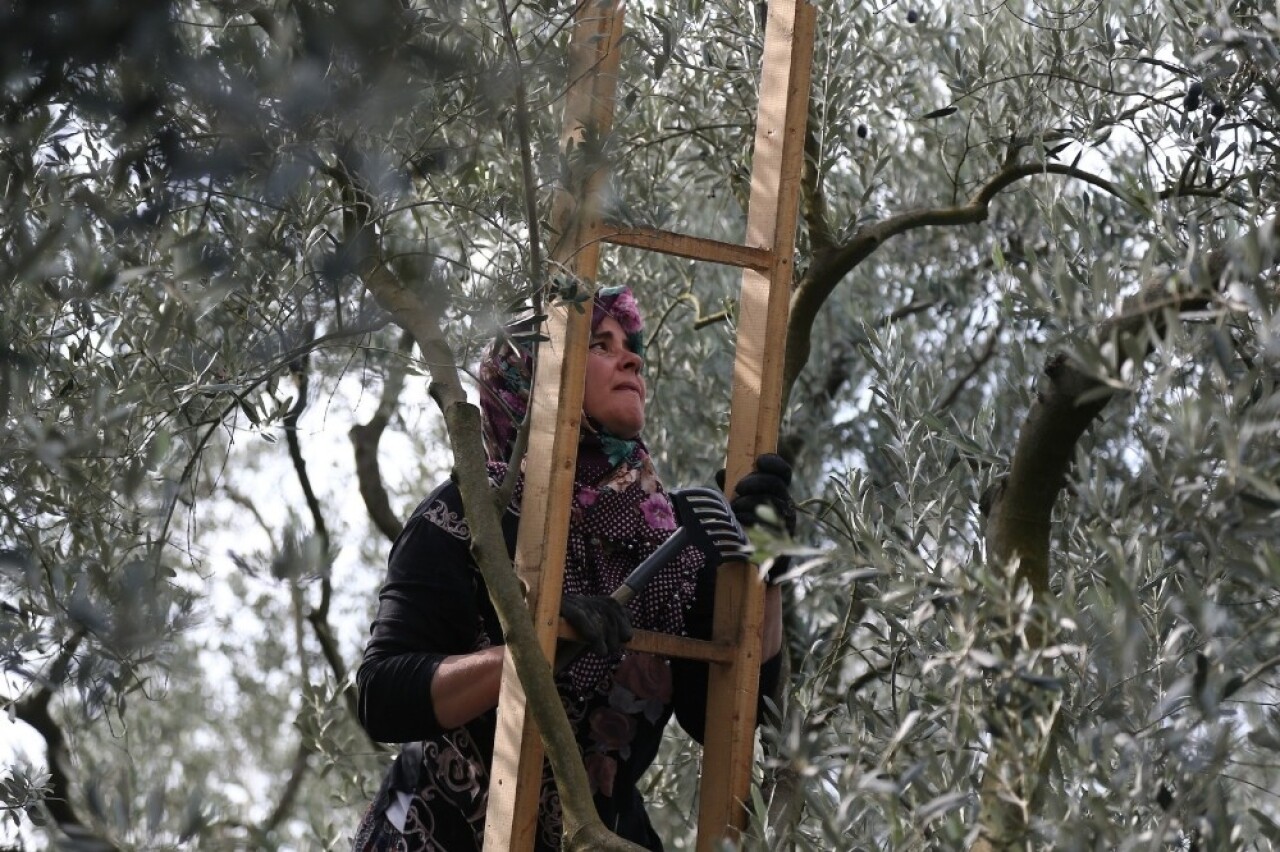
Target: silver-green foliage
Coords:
[(179, 251)]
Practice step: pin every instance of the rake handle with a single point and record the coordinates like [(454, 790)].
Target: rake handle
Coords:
[(633, 585), (643, 573)]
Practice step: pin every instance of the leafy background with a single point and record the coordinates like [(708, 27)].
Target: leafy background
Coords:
[(196, 384)]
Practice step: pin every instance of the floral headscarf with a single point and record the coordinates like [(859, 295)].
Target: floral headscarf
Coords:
[(507, 372), (620, 512)]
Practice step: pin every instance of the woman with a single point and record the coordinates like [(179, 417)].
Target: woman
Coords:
[(432, 667)]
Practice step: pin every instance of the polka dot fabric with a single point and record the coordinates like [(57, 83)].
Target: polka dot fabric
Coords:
[(608, 538)]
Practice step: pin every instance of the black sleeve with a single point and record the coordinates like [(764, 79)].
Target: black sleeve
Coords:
[(689, 693), (427, 610)]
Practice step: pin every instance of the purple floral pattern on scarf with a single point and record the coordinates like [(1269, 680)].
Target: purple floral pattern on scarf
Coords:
[(656, 509), (505, 377), (620, 303)]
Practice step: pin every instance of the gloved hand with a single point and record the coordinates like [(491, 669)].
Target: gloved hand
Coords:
[(769, 484), (601, 621)]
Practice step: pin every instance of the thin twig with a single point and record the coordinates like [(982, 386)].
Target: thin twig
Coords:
[(530, 187), (987, 352)]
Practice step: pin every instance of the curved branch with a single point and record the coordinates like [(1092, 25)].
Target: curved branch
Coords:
[(1071, 397), (269, 25), (1012, 174), (831, 266), (364, 442), (1019, 508)]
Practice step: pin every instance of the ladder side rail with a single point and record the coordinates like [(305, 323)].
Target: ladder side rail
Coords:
[(515, 779), (756, 407)]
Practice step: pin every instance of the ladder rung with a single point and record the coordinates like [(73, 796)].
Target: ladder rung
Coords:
[(694, 248), (666, 645)]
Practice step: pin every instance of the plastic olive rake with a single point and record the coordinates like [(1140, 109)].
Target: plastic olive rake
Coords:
[(706, 522)]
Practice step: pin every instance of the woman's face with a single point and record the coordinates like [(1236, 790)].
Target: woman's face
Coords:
[(614, 393)]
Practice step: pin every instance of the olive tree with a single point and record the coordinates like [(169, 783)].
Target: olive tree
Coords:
[(1031, 396)]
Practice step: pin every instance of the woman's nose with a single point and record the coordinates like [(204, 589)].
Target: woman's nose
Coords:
[(632, 361)]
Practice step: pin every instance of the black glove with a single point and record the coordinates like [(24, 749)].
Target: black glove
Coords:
[(600, 620), (769, 484)]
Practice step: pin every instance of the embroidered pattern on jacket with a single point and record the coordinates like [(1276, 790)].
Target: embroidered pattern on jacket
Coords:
[(439, 514)]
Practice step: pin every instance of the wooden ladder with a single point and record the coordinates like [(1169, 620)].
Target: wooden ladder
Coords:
[(766, 258)]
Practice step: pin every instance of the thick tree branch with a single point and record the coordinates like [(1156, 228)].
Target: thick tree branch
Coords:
[(1071, 397), (1019, 508), (269, 25), (364, 441), (421, 317), (829, 267)]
